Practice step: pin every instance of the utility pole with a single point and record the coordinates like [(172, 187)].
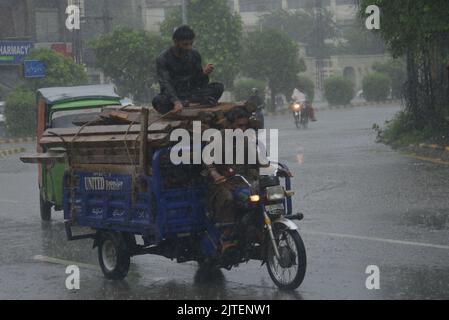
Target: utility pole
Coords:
[(106, 17), (184, 5), (319, 42)]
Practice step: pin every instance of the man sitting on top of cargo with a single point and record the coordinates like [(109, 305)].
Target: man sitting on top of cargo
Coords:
[(182, 77)]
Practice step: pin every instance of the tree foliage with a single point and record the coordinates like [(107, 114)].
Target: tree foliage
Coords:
[(60, 70), (376, 86), (299, 24), (20, 112), (419, 30), (307, 85), (129, 58), (20, 109), (273, 56), (358, 40), (219, 35), (396, 71), (407, 24), (338, 90), (243, 88)]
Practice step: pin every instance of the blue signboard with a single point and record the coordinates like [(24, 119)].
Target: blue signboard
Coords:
[(34, 69), (14, 52)]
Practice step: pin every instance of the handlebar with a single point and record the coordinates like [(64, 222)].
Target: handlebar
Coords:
[(242, 178)]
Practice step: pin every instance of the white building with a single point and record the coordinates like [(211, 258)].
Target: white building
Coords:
[(155, 11)]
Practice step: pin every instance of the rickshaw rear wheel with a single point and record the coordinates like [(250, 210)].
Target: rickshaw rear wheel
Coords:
[(113, 255), (45, 209)]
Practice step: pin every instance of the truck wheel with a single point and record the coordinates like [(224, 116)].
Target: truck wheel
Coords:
[(45, 208), (113, 255)]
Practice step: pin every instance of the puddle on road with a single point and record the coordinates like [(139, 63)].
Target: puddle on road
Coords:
[(430, 218), (415, 282)]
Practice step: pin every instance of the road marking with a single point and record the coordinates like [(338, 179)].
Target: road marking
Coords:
[(64, 262), (350, 236), (437, 161)]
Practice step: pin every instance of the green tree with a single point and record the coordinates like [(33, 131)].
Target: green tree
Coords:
[(396, 70), (308, 85), (338, 90), (299, 24), (129, 58), (376, 86), (20, 112), (243, 88), (359, 40), (301, 27), (60, 70), (273, 56), (219, 35), (419, 30)]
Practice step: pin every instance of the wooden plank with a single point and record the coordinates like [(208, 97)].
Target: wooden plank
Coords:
[(44, 158), (143, 157), (105, 140), (124, 116), (108, 129), (199, 112)]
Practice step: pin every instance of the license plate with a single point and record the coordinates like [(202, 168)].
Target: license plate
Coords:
[(277, 208)]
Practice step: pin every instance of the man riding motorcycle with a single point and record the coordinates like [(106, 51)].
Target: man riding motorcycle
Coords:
[(222, 190), (259, 103), (299, 97)]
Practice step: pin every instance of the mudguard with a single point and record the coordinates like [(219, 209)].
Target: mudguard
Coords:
[(286, 222)]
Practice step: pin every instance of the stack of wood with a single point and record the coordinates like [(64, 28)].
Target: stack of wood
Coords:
[(123, 136)]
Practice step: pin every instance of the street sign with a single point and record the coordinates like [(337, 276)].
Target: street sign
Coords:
[(13, 52), (34, 69)]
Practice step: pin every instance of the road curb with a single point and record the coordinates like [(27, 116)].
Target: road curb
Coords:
[(8, 152), (431, 151), (17, 140)]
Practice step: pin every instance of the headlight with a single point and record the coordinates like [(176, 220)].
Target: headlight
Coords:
[(254, 198), (296, 106), (275, 193)]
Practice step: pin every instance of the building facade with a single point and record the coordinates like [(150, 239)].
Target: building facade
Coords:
[(343, 11), (42, 23)]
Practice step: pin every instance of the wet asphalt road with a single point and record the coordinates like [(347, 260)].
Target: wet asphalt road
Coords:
[(364, 204)]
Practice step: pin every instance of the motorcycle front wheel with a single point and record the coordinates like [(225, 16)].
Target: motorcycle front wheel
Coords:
[(297, 121), (304, 122), (287, 272)]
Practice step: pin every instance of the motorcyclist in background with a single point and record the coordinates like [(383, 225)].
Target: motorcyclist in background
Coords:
[(299, 96), (259, 103)]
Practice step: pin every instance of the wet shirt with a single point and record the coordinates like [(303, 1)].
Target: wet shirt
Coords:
[(298, 96), (252, 156), (179, 76), (256, 100)]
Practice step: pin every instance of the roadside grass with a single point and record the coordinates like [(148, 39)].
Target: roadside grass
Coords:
[(401, 132)]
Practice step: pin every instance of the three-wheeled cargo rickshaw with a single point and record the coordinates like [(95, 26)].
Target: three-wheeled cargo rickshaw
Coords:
[(58, 107), (121, 183)]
